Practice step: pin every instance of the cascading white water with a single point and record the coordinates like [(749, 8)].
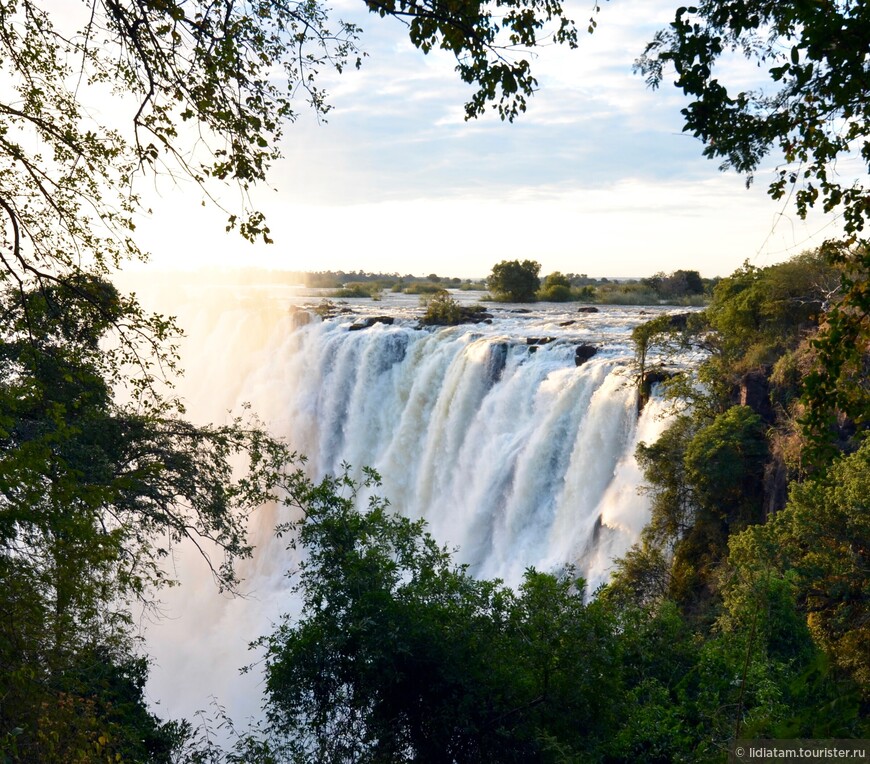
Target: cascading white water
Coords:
[(513, 454)]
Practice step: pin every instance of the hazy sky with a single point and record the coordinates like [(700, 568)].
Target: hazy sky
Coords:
[(595, 178)]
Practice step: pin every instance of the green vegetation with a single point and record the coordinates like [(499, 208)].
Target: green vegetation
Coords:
[(94, 495), (358, 289), (742, 611), (757, 532), (424, 287), (514, 281), (472, 671), (556, 288), (814, 113), (443, 310), (483, 673)]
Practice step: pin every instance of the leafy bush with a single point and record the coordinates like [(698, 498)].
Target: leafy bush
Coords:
[(514, 281), (358, 289), (424, 287), (556, 293), (442, 309)]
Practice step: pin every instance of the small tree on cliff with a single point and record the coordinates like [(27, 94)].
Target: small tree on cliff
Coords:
[(514, 281)]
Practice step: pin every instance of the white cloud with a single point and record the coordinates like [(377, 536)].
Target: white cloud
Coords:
[(596, 177)]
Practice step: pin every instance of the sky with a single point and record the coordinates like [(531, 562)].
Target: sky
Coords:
[(596, 177)]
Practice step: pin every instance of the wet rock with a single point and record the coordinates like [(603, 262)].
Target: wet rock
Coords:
[(539, 340), (299, 317), (753, 391), (496, 360), (588, 309), (370, 321), (583, 353), (651, 377), (678, 320)]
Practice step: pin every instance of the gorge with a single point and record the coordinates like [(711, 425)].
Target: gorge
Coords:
[(515, 449)]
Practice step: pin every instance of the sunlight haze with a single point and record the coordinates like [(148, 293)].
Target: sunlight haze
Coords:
[(596, 177)]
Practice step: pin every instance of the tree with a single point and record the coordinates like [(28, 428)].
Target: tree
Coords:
[(514, 281), (678, 284), (556, 288), (813, 115), (94, 495), (556, 278), (823, 535), (202, 90), (399, 655)]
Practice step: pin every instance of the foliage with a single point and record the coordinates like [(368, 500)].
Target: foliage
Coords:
[(442, 310), (677, 284), (823, 535), (357, 289), (424, 287), (556, 279), (774, 590), (758, 314), (761, 321), (400, 655), (706, 478), (662, 339), (94, 495), (556, 288), (201, 90), (482, 40), (814, 110), (625, 293), (514, 281), (556, 293), (814, 116)]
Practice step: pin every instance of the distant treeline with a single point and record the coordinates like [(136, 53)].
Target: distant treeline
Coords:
[(516, 282), (681, 287)]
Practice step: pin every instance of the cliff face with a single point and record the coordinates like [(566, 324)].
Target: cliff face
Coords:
[(753, 390)]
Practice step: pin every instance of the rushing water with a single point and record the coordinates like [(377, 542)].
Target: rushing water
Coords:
[(512, 452)]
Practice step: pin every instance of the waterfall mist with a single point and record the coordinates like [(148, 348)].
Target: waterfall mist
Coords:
[(512, 453)]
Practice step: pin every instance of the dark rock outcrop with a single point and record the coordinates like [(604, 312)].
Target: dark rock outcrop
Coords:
[(496, 360), (583, 353), (650, 378), (753, 390), (370, 321), (588, 309), (678, 320), (300, 317)]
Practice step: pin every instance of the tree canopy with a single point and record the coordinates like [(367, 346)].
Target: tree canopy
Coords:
[(94, 496), (514, 281), (813, 120)]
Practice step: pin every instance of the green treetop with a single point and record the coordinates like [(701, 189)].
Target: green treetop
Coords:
[(514, 281)]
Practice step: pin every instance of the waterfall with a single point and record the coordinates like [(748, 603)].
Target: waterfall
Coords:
[(511, 451)]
